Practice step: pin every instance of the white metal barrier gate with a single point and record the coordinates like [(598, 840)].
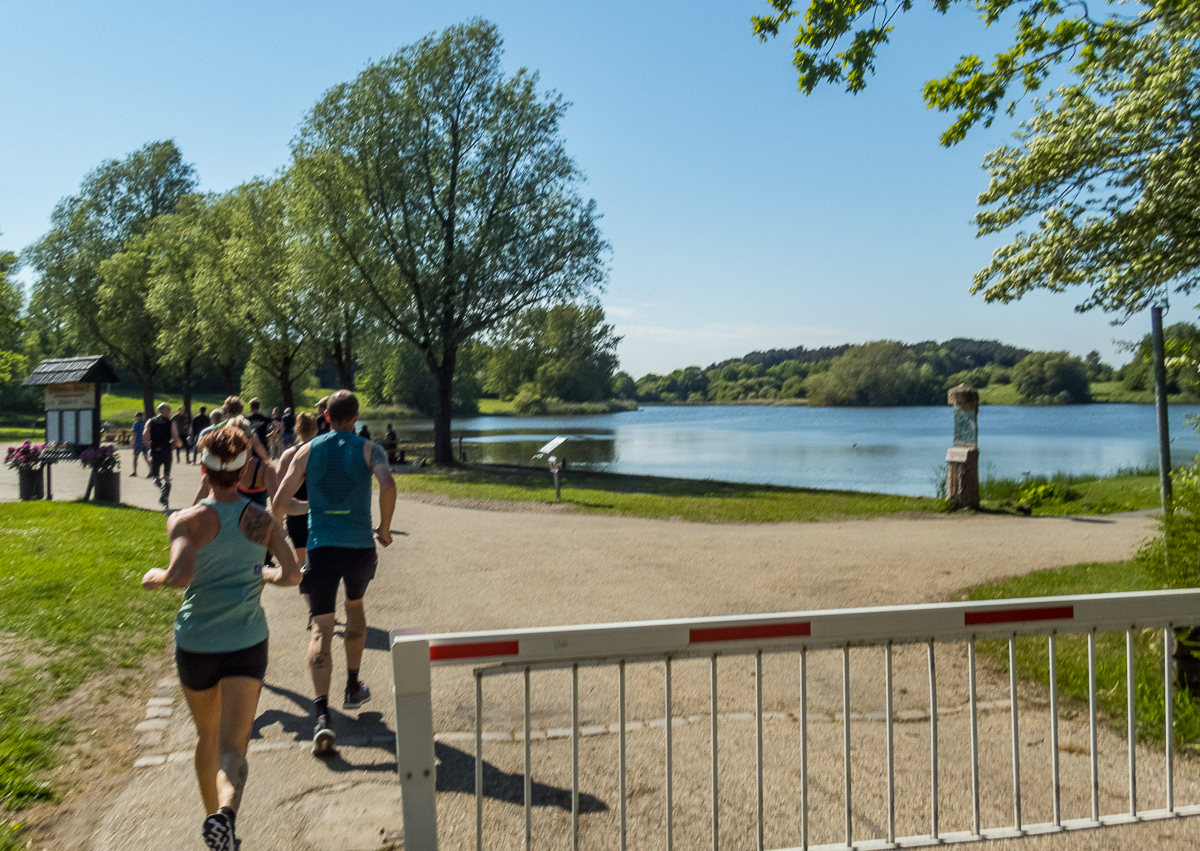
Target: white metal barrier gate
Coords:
[(508, 652)]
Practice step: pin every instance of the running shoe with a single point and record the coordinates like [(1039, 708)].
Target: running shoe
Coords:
[(356, 697), (323, 738), (217, 831)]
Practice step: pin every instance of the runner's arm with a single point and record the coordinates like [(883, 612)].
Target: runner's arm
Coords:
[(378, 462), (262, 528), (182, 570), (175, 434)]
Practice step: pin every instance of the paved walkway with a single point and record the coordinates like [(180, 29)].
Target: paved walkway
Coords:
[(455, 569)]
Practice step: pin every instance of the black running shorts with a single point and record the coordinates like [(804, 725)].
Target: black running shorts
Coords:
[(297, 529), (329, 566), (202, 671), (160, 458)]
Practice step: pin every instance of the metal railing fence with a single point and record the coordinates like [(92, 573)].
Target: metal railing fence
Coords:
[(524, 652)]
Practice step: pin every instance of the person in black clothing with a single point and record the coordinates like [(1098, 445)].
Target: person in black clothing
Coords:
[(364, 432), (183, 428), (163, 436), (199, 424), (289, 428), (259, 422)]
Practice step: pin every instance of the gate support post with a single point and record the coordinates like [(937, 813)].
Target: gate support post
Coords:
[(415, 759)]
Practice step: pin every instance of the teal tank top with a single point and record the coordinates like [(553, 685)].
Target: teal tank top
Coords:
[(339, 492), (221, 611)]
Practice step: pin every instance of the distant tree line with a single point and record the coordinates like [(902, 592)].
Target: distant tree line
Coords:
[(885, 372)]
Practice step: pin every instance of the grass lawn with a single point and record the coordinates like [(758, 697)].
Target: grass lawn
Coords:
[(72, 606), (704, 501), (1128, 490), (16, 435), (1033, 660), (491, 407)]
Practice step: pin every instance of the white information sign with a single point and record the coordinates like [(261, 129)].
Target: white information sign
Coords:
[(75, 396), (52, 421), (85, 428)]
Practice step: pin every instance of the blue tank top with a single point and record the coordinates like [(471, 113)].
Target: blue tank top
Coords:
[(221, 611), (339, 501)]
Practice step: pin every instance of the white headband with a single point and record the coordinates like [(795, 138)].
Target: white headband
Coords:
[(212, 462)]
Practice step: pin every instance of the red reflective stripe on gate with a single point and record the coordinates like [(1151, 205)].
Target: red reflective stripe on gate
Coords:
[(745, 633), (487, 649), (1050, 613)]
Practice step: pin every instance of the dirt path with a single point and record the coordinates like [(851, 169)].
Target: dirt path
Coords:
[(452, 568)]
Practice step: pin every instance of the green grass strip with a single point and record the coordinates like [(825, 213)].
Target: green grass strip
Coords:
[(72, 598), (704, 501), (1033, 659)]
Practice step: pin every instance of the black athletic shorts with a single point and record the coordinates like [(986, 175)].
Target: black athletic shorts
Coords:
[(329, 566), (160, 458), (202, 671), (297, 529)]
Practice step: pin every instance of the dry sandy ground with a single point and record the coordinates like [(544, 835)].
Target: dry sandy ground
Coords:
[(452, 568)]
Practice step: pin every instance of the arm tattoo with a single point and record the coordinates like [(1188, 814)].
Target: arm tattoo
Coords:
[(379, 456), (257, 525)]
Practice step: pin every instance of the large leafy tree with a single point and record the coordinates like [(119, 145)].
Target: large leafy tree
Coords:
[(1106, 167), (837, 41), (257, 258), (1109, 170), (116, 202), (446, 186), (567, 351)]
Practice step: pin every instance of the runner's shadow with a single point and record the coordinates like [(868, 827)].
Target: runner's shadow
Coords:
[(368, 729), (456, 773)]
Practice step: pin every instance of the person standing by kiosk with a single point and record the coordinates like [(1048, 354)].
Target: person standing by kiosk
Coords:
[(338, 467), (163, 436)]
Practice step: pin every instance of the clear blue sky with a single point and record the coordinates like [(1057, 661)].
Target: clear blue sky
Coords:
[(742, 215)]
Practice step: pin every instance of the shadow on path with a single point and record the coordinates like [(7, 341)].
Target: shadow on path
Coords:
[(456, 773)]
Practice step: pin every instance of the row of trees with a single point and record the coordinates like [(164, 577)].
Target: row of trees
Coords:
[(429, 204), (886, 373)]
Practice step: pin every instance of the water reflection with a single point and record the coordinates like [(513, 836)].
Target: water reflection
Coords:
[(890, 450)]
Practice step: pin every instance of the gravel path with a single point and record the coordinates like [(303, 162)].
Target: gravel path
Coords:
[(453, 568)]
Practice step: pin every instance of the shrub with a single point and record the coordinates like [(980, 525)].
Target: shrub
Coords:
[(1037, 494), (1173, 558)]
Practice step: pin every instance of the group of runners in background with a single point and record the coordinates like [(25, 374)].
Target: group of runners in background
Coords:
[(230, 543)]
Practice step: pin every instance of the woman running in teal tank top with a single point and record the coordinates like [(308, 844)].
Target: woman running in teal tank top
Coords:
[(221, 630)]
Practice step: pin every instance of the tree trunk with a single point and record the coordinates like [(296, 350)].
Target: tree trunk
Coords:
[(443, 379), (187, 385), (285, 383), (343, 360), (147, 382)]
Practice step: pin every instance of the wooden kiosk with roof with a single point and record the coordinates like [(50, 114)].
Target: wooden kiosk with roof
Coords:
[(72, 388)]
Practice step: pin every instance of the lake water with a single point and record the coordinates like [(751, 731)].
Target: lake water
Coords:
[(887, 450)]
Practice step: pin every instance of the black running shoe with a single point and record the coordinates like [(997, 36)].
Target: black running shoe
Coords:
[(356, 697), (217, 831), (323, 738)]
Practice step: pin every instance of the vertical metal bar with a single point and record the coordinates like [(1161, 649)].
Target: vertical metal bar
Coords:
[(1016, 731), (716, 810), (1169, 712), (1131, 713), (528, 772), (575, 757), (1091, 646), (846, 742), (1054, 773), (670, 766), (804, 748), (478, 761), (889, 714), (933, 745), (758, 741), (974, 699), (621, 746)]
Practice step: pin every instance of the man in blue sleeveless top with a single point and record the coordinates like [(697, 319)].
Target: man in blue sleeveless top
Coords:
[(338, 467)]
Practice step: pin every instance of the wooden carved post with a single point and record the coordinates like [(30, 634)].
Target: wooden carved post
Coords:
[(962, 459)]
